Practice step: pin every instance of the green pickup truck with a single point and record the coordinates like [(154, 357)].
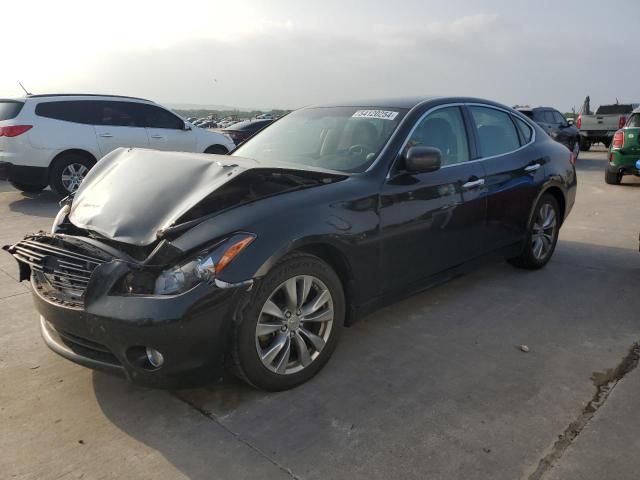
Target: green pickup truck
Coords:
[(624, 151)]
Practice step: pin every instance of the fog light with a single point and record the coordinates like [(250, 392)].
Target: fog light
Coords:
[(155, 357)]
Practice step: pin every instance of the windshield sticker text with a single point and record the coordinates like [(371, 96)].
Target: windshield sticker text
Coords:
[(383, 114)]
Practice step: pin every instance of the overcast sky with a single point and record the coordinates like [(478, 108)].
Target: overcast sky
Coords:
[(290, 53)]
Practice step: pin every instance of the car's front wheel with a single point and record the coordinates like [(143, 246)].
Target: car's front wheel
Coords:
[(291, 324), (542, 235)]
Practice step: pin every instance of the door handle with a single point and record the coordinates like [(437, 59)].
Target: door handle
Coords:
[(106, 135), (157, 136), (532, 168), (473, 183)]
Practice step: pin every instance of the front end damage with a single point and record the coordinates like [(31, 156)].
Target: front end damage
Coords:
[(94, 313), (113, 290)]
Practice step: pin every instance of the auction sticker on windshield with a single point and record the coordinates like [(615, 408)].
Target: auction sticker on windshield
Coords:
[(383, 114)]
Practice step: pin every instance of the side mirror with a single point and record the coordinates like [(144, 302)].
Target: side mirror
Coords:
[(423, 159), (186, 126), (570, 121)]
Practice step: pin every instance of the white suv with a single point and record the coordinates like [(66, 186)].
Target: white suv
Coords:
[(55, 139)]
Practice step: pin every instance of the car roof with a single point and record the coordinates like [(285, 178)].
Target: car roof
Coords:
[(55, 95), (531, 109), (406, 102)]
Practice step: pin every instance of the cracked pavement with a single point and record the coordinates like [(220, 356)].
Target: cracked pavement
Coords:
[(431, 387)]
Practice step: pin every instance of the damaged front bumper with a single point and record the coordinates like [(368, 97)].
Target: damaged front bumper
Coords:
[(83, 320)]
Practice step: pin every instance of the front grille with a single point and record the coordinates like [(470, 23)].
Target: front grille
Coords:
[(61, 271)]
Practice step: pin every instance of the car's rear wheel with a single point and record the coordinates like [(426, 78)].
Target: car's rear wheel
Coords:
[(291, 324), (68, 172), (217, 150), (27, 188), (542, 235), (612, 178)]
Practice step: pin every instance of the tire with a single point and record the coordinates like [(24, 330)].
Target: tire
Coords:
[(585, 145), (286, 368), (216, 150), (612, 178), (529, 258), (65, 164), (27, 188)]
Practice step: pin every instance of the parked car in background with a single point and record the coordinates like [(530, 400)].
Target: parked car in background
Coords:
[(207, 124), (264, 116), (242, 131), (56, 139), (257, 260), (558, 127), (601, 126), (624, 151)]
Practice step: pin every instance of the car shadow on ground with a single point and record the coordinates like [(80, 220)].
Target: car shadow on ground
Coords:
[(42, 204), (439, 369)]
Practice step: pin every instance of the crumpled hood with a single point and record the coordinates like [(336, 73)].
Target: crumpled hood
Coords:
[(132, 194)]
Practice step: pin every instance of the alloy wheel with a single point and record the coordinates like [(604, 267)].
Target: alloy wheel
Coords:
[(294, 324), (544, 231), (73, 175)]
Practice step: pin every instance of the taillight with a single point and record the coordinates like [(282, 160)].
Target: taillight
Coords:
[(621, 121), (579, 122), (618, 140), (572, 158), (14, 130)]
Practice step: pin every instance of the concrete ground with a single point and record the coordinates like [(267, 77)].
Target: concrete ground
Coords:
[(432, 387)]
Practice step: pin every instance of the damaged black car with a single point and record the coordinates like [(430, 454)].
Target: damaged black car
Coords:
[(166, 268)]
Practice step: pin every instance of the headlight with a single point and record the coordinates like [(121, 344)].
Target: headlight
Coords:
[(62, 214), (203, 268)]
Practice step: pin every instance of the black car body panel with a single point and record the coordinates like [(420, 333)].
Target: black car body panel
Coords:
[(386, 232)]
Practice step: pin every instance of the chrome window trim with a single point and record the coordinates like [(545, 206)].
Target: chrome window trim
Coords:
[(469, 104), (413, 129), (522, 117)]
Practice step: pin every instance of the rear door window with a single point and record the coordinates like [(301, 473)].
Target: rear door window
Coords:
[(119, 114), (9, 109), (77, 111), (496, 132), (526, 132)]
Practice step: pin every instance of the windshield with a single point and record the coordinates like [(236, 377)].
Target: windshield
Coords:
[(348, 139)]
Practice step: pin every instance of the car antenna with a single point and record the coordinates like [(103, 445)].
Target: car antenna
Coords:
[(25, 90)]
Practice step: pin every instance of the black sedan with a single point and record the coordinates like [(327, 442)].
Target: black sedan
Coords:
[(240, 132), (257, 260)]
